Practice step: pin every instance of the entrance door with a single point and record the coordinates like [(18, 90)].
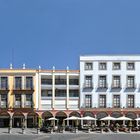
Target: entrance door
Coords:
[(30, 123), (17, 122), (4, 122)]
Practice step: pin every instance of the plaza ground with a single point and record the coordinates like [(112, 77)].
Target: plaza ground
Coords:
[(30, 134)]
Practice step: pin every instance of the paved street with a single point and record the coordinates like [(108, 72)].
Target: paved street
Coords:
[(72, 137), (31, 135)]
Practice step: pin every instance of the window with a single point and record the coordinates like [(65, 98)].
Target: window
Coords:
[(116, 82), (102, 66), (4, 82), (102, 82), (74, 81), (130, 101), (46, 81), (74, 93), (88, 66), (60, 93), (116, 66), (29, 82), (3, 100), (29, 100), (130, 66), (60, 81), (102, 101), (18, 82), (130, 81), (116, 101), (88, 99), (46, 93), (17, 100), (88, 82)]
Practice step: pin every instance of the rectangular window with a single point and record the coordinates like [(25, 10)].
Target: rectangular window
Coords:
[(74, 93), (88, 101), (74, 81), (4, 83), (116, 66), (102, 82), (18, 82), (17, 100), (116, 101), (116, 82), (60, 81), (3, 100), (29, 82), (130, 66), (60, 93), (88, 82), (130, 101), (45, 81), (46, 93), (102, 66), (29, 100), (88, 66), (130, 81), (102, 101)]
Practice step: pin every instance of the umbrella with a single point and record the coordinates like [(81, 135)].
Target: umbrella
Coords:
[(123, 118), (51, 119), (108, 118), (73, 118), (88, 118), (138, 119)]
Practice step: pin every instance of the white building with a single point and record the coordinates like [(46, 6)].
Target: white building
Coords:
[(110, 81)]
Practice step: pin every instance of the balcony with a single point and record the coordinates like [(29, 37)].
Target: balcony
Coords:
[(116, 87), (28, 104), (23, 88), (17, 104), (102, 88), (4, 87), (3, 104), (130, 88)]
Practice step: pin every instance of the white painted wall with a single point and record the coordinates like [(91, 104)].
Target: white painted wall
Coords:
[(123, 59)]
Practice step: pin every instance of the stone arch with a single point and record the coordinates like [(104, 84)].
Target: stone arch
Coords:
[(4, 119), (75, 113), (131, 115), (88, 113), (18, 119), (101, 115), (32, 119), (47, 115), (116, 114)]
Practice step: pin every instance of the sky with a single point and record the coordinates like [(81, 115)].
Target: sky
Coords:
[(56, 32)]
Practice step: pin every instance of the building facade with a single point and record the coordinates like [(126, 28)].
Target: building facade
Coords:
[(110, 85), (58, 93), (17, 97), (105, 85)]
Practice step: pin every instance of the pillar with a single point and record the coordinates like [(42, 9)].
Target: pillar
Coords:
[(96, 120), (53, 89), (67, 104)]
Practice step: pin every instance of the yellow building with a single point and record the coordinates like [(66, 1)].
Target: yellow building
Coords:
[(17, 97)]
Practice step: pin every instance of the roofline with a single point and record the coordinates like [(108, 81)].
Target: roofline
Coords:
[(110, 55)]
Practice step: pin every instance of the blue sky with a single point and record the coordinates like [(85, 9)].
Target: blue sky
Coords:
[(57, 32)]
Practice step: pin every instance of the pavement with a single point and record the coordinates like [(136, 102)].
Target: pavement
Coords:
[(31, 134)]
